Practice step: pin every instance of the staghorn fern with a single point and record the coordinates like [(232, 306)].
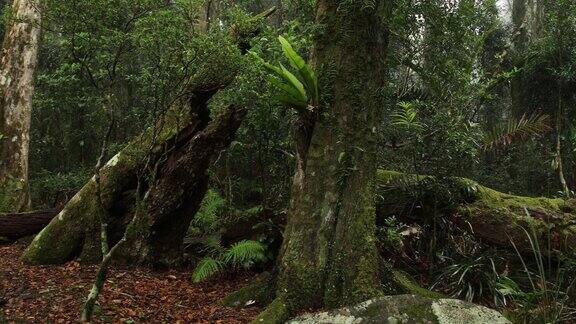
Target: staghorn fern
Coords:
[(515, 129)]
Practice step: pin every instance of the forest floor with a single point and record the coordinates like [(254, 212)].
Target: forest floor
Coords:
[(55, 294)]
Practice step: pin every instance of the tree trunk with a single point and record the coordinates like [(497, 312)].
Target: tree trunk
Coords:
[(492, 217), (15, 226), (168, 163), (170, 201), (328, 257), (17, 65)]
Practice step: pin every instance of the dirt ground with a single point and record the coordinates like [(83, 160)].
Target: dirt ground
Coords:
[(55, 294)]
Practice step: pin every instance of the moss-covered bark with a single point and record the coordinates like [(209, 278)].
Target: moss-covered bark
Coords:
[(75, 230), (328, 257), (492, 216), (167, 165)]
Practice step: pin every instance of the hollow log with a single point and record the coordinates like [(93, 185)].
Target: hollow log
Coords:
[(493, 217), (15, 226)]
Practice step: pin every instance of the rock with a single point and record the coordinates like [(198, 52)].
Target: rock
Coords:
[(407, 309)]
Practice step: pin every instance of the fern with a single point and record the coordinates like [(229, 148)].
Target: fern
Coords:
[(207, 216), (206, 268), (297, 90), (241, 254), (515, 129), (245, 252), (405, 116)]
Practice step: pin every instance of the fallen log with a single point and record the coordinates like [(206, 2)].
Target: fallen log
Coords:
[(493, 217), (15, 226)]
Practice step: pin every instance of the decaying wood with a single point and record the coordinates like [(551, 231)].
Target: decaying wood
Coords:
[(491, 216), (15, 226)]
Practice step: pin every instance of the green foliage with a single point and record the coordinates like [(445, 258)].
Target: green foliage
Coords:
[(205, 232), (243, 254), (405, 117), (390, 235), (206, 218), (299, 92), (49, 189), (516, 129), (473, 279), (206, 268), (546, 293)]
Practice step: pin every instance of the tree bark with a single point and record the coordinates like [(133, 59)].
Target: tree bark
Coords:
[(15, 226), (328, 257), (17, 65), (168, 163), (491, 216)]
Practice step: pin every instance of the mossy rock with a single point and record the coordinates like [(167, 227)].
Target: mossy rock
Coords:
[(407, 309)]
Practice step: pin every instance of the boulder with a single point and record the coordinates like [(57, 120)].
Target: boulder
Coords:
[(407, 309)]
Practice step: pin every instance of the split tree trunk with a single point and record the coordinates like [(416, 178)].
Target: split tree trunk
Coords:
[(179, 155), (168, 163), (17, 65), (328, 257)]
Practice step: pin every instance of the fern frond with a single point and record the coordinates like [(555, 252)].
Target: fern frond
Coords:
[(516, 129), (206, 268), (405, 116), (245, 252), (207, 216)]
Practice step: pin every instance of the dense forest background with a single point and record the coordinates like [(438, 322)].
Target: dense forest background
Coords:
[(463, 70), (476, 89)]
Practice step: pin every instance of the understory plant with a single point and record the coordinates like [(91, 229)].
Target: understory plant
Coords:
[(243, 254), (473, 279), (205, 232), (544, 294)]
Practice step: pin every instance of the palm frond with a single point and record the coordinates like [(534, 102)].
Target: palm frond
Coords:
[(517, 129)]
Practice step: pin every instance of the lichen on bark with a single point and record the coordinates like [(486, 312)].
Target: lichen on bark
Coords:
[(18, 61)]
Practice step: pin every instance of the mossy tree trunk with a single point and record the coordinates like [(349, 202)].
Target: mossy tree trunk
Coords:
[(17, 66), (151, 189), (170, 162), (492, 217), (328, 257)]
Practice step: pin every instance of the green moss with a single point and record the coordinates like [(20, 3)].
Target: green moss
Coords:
[(495, 217), (261, 291), (410, 286), (277, 312)]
